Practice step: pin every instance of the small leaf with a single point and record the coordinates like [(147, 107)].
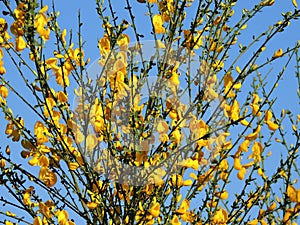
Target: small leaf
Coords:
[(5, 13)]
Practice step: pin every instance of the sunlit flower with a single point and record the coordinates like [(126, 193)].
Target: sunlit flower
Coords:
[(175, 220), (241, 173), (220, 217), (293, 194), (257, 150), (3, 91), (183, 208), (39, 131), (20, 43), (123, 42), (37, 221), (41, 22), (155, 209), (63, 217), (158, 24), (27, 196), (104, 45), (91, 142), (47, 176), (2, 163), (4, 36), (278, 54)]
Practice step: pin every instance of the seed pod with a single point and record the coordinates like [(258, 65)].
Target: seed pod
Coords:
[(7, 150)]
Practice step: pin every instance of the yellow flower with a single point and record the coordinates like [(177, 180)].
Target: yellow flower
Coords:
[(175, 220), (17, 28), (73, 165), (268, 115), (91, 142), (158, 24), (183, 208), (222, 195), (62, 217), (39, 131), (3, 91), (176, 136), (43, 161), (20, 43), (162, 127), (233, 111), (41, 22), (123, 41), (253, 135), (46, 208), (293, 194), (218, 64), (243, 147), (4, 36), (257, 150), (104, 45), (37, 221), (253, 222), (8, 223), (47, 176), (241, 173), (27, 195), (2, 163), (228, 81), (10, 214), (220, 217), (61, 96), (272, 126), (237, 163), (155, 210), (191, 41), (92, 205), (295, 3), (277, 54)]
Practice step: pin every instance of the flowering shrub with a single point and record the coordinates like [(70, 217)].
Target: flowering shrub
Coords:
[(176, 125)]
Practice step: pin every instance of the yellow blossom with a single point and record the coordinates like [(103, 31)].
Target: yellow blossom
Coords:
[(37, 221), (220, 217), (222, 195), (61, 96), (241, 173), (183, 208), (158, 24), (27, 195), (20, 43), (2, 163), (41, 22), (104, 45), (257, 150), (92, 205), (47, 176), (237, 163), (293, 194), (123, 41), (62, 217), (272, 126), (253, 135), (155, 210), (91, 142), (277, 54), (175, 220)]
